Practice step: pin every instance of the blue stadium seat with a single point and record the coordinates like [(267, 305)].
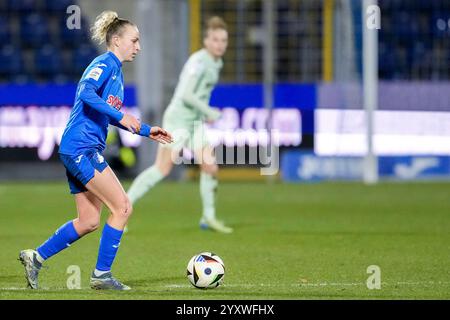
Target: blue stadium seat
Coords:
[(81, 58), (401, 64), (22, 6), (440, 23), (34, 30), (422, 6), (386, 61), (58, 5), (11, 61), (5, 30), (48, 61), (3, 5), (73, 37), (404, 24)]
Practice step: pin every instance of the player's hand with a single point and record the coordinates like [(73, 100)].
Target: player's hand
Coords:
[(160, 135), (131, 123), (213, 115)]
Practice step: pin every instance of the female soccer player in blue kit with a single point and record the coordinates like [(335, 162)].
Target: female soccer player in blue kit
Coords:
[(98, 101)]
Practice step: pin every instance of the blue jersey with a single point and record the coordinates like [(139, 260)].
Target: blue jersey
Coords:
[(98, 101)]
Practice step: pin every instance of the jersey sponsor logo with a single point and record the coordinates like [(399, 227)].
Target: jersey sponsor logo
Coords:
[(114, 101), (95, 74)]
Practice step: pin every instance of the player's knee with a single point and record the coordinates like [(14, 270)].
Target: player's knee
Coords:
[(124, 208), (129, 210)]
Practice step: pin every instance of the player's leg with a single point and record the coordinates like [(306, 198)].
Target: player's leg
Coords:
[(208, 189), (106, 187), (163, 164), (151, 176), (89, 209)]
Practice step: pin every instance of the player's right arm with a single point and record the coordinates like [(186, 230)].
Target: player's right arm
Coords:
[(190, 93), (87, 92)]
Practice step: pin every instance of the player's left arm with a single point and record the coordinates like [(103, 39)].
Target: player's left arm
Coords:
[(155, 133)]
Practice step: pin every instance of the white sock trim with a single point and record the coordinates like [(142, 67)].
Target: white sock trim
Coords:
[(99, 273), (39, 257)]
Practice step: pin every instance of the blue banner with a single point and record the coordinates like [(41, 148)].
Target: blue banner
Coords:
[(49, 95), (301, 96), (240, 97), (297, 166)]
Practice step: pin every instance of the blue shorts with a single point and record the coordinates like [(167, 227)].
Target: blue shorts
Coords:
[(80, 169)]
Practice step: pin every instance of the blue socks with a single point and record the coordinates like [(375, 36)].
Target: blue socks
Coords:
[(109, 244), (66, 235), (61, 239)]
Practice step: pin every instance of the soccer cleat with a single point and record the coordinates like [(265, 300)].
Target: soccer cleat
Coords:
[(32, 266), (214, 225), (107, 282)]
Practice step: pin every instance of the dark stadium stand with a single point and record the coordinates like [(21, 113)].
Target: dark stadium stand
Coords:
[(413, 34), (37, 46)]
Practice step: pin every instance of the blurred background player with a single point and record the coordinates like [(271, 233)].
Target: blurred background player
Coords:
[(98, 101), (185, 118)]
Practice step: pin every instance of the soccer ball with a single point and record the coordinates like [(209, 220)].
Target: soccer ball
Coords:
[(205, 270)]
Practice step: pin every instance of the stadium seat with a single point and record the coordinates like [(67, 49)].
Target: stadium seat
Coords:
[(72, 38), (81, 58), (405, 25), (440, 23), (5, 32), (386, 61), (22, 6), (34, 30), (3, 6), (48, 61), (59, 5), (11, 61)]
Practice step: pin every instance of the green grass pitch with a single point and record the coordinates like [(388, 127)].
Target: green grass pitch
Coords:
[(312, 241)]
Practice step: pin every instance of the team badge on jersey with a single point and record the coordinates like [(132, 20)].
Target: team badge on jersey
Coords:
[(100, 158)]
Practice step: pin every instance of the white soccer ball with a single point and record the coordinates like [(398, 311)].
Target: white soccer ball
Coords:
[(205, 270)]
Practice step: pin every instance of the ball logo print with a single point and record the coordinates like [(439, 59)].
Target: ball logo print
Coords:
[(205, 270)]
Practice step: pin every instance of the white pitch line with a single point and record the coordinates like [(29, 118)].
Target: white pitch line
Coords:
[(322, 284), (269, 285), (33, 290), (13, 289)]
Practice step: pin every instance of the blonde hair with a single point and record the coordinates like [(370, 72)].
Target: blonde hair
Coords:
[(215, 23), (106, 25)]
